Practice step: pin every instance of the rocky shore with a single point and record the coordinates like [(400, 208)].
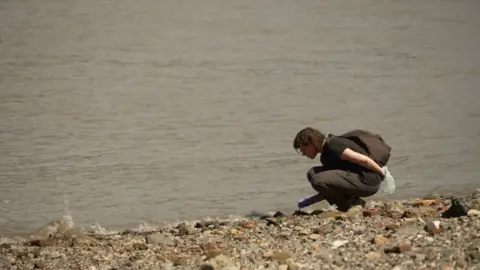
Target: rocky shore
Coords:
[(419, 233)]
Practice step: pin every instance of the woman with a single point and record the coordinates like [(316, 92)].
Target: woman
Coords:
[(347, 174)]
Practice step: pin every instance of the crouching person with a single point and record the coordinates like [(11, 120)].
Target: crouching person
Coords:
[(352, 166)]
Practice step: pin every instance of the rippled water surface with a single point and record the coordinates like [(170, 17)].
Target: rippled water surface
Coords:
[(134, 111)]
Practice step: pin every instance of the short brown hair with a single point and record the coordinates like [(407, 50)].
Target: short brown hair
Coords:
[(309, 135)]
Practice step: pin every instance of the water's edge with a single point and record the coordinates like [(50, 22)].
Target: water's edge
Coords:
[(67, 222)]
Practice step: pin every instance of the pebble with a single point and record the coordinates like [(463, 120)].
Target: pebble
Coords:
[(406, 234), (339, 243), (373, 255), (380, 240), (473, 213)]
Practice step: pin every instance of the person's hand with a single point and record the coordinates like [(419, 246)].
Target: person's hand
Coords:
[(302, 203), (386, 172)]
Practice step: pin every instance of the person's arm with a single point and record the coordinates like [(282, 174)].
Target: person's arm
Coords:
[(362, 160)]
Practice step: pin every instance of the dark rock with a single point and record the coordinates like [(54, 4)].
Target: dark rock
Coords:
[(137, 233), (271, 221), (300, 213), (401, 248), (457, 209), (203, 224), (279, 214), (317, 212)]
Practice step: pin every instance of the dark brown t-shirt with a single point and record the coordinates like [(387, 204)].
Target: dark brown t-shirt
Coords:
[(330, 158)]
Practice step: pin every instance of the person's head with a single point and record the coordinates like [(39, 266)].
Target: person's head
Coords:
[(309, 142)]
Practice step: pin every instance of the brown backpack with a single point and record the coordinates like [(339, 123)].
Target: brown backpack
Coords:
[(372, 143)]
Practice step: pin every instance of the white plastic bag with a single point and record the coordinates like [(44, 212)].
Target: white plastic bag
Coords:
[(388, 183)]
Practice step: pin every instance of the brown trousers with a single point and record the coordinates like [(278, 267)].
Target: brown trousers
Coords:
[(339, 186)]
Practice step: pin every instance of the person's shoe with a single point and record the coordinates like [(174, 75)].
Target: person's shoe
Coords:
[(355, 201)]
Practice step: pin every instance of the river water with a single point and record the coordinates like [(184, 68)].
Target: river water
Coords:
[(122, 112)]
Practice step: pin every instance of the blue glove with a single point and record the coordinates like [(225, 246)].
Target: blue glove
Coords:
[(303, 203)]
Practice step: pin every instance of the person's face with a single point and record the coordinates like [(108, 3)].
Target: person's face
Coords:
[(308, 150)]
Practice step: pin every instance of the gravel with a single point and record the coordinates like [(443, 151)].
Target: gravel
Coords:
[(403, 234)]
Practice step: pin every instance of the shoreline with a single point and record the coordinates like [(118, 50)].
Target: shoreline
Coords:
[(8, 232), (385, 234)]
